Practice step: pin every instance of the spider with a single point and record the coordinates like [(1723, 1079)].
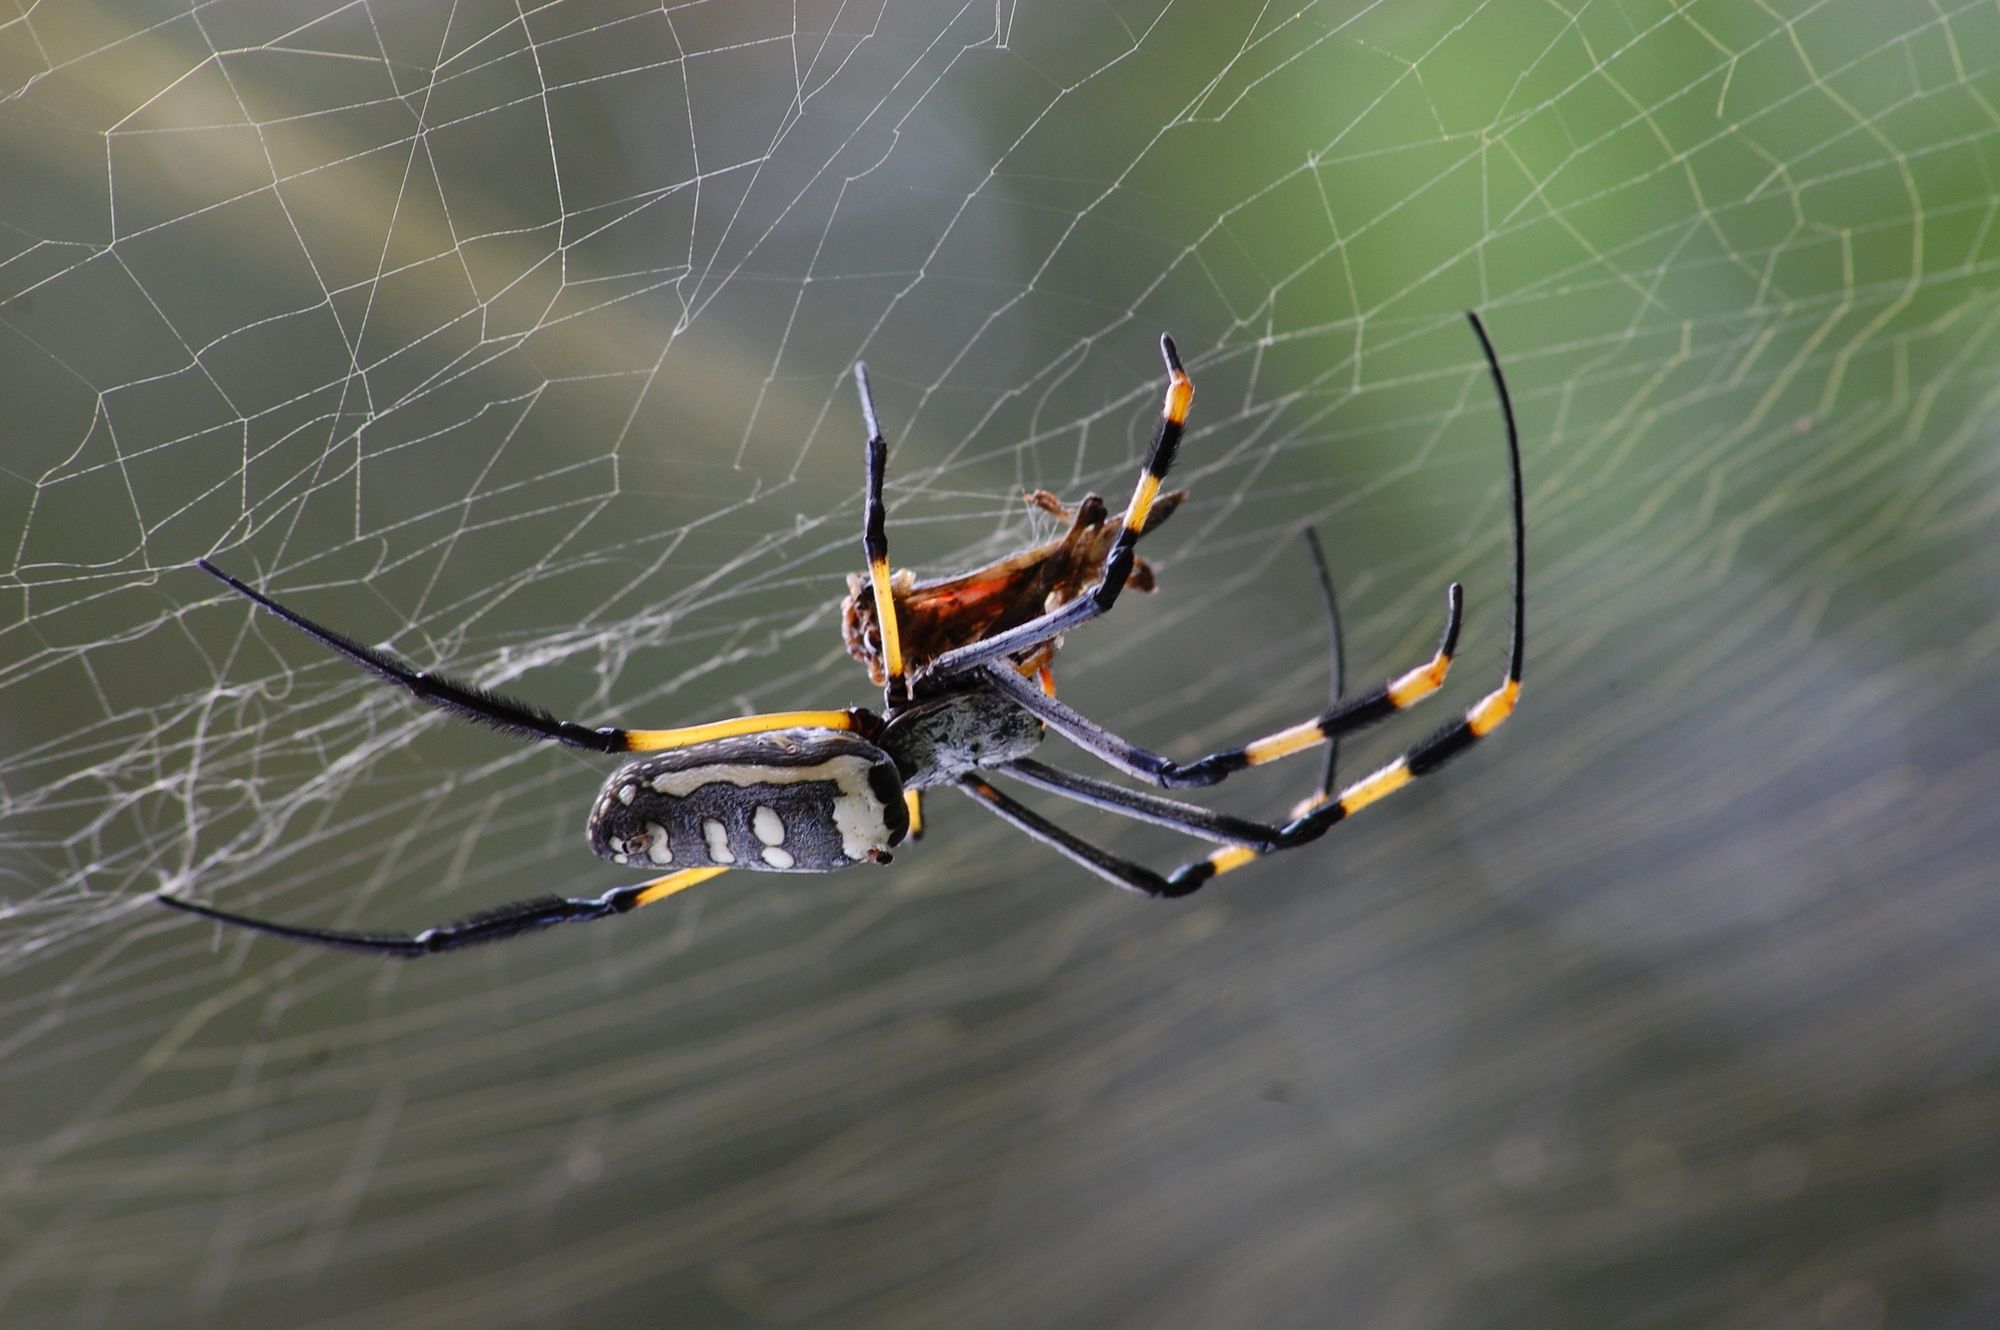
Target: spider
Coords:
[(818, 791)]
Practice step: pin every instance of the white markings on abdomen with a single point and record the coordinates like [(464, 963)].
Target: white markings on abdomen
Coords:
[(770, 829), (858, 815), (717, 838), (657, 848)]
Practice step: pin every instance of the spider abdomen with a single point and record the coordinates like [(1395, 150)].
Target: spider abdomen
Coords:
[(788, 801)]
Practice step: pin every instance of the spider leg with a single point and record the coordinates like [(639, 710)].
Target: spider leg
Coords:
[(1319, 815), (1427, 757), (487, 926), (1336, 679), (1344, 717), (1127, 873), (1144, 806), (1314, 817), (875, 544), (523, 719), (1337, 657), (1118, 563)]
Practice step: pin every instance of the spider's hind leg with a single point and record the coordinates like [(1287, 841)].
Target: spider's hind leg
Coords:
[(493, 925)]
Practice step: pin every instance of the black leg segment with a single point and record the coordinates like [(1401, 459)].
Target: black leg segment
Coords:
[(493, 925), (463, 699), (487, 926)]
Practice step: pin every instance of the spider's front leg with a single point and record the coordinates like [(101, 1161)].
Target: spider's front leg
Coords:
[(524, 719), (875, 546), (1118, 563)]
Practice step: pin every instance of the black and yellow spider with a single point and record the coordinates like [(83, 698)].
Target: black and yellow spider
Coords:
[(816, 791)]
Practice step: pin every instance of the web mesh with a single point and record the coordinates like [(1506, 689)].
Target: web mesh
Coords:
[(516, 340)]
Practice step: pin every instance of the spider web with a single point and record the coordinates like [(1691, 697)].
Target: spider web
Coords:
[(516, 339)]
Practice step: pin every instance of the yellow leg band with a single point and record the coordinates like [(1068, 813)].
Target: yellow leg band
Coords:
[(914, 801), (1284, 743), (647, 741), (1419, 683), (1378, 786), (1494, 708), (664, 887), (1180, 392), (1234, 857), (1142, 503), (885, 615)]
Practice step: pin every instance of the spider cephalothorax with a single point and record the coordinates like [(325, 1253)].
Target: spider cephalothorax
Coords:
[(817, 791)]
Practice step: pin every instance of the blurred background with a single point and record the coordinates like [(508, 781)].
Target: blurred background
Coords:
[(516, 340)]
